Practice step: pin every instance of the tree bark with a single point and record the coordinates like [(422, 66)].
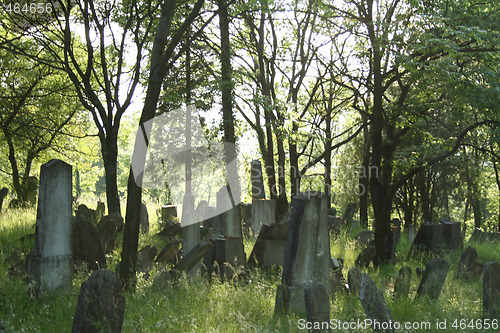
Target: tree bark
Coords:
[(110, 159)]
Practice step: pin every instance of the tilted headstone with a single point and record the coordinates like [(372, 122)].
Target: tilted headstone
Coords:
[(101, 305), (231, 217), (307, 251), (257, 180), (229, 254), (269, 248), (335, 224), (85, 213), (50, 265), (167, 213), (190, 230), (87, 245), (349, 213), (467, 266), (317, 305), (491, 290), (144, 219), (3, 193), (145, 259), (169, 254), (367, 255), (100, 209), (263, 212), (428, 238), (403, 281), (108, 228), (411, 233), (433, 279), (354, 280), (364, 237), (373, 302)]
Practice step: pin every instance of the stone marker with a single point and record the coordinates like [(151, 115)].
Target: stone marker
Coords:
[(317, 306), (354, 280), (411, 233), (467, 266), (190, 230), (364, 237), (452, 234), (367, 255), (145, 259), (257, 180), (396, 230), (263, 212), (100, 209), (87, 245), (50, 264), (491, 290), (373, 302), (229, 254), (403, 281), (85, 213), (3, 193), (481, 236), (101, 305), (429, 238), (246, 218), (108, 228), (349, 213), (335, 224), (231, 216), (307, 250), (192, 258), (167, 213), (169, 254), (433, 279), (269, 248), (144, 219)]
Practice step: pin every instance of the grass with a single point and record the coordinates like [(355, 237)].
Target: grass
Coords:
[(209, 304)]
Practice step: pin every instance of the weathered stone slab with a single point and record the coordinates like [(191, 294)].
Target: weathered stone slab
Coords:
[(263, 212), (491, 290), (87, 245), (191, 229), (433, 278), (145, 259), (169, 254), (366, 256), (354, 280), (101, 305), (411, 233), (467, 266), (50, 264), (257, 180), (269, 248), (452, 234), (403, 281), (108, 228), (308, 247), (429, 238), (364, 237), (193, 257), (229, 255), (373, 302), (317, 305)]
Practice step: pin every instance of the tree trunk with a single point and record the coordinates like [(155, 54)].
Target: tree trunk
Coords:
[(424, 195), (110, 158), (363, 180)]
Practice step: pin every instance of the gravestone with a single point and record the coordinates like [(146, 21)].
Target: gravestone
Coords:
[(354, 280), (100, 209), (144, 219), (231, 217), (491, 290), (411, 233), (167, 213), (317, 305), (452, 234), (481, 236), (335, 224), (169, 254), (87, 245), (246, 218), (373, 302), (467, 266), (3, 193), (85, 213), (349, 214), (257, 180), (429, 238), (101, 305), (367, 255), (364, 237), (403, 281), (192, 259), (50, 264), (433, 278), (263, 212), (190, 230), (269, 248), (396, 230), (31, 186), (229, 254), (307, 252), (145, 259), (108, 228)]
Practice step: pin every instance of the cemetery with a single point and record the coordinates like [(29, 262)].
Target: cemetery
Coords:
[(249, 166)]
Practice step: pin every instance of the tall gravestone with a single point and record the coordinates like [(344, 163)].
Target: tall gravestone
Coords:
[(191, 229), (3, 193), (491, 290), (49, 265), (433, 279), (307, 252), (230, 214), (373, 302), (263, 212), (257, 181)]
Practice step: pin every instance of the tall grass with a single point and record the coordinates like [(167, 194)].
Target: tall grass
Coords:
[(209, 304)]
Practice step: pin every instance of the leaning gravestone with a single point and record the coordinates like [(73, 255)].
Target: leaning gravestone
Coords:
[(257, 181), (433, 279), (144, 220), (373, 302), (269, 248), (3, 193), (307, 250), (49, 266), (317, 305), (491, 290), (190, 230), (402, 285), (354, 280), (231, 217), (467, 266), (87, 245), (349, 213), (101, 305), (108, 228), (263, 212)]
